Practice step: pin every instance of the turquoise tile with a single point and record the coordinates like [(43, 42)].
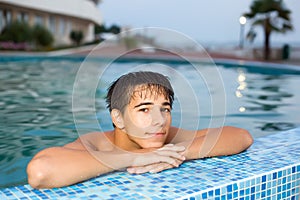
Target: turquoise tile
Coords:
[(270, 169)]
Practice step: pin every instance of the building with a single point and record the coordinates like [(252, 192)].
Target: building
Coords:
[(60, 17)]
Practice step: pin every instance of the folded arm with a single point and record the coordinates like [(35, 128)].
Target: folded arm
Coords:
[(214, 142), (82, 160), (202, 143), (61, 166)]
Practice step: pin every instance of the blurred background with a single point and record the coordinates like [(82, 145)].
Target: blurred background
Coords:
[(209, 22), (216, 25)]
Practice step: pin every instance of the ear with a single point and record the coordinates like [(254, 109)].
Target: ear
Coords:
[(117, 118)]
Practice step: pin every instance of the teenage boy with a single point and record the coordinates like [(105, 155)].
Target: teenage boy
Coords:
[(143, 139)]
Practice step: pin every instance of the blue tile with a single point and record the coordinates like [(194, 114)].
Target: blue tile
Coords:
[(229, 196), (263, 178), (229, 188), (252, 190), (268, 172)]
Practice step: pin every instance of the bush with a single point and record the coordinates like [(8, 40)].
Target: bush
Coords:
[(17, 32), (115, 29), (99, 29), (42, 37), (76, 36)]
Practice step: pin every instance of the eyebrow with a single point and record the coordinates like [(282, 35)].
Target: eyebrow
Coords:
[(150, 103)]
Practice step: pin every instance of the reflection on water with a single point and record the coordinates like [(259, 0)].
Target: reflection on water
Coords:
[(35, 102), (36, 106), (270, 96), (279, 126), (271, 100)]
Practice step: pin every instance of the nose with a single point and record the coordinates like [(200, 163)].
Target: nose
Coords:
[(158, 117)]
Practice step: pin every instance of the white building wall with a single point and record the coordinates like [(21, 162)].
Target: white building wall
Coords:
[(84, 9), (59, 16)]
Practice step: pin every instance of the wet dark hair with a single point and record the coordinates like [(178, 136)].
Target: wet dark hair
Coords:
[(122, 90)]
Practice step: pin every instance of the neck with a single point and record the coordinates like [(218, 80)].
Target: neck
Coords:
[(123, 141)]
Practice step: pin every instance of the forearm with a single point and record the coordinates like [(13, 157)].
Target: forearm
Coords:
[(217, 142), (59, 166)]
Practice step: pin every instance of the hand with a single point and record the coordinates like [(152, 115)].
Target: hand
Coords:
[(167, 157), (152, 168)]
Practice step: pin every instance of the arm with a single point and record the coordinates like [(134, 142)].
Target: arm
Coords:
[(202, 143), (213, 142), (61, 166), (82, 159)]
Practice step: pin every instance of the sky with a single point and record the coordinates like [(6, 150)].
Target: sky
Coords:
[(213, 21)]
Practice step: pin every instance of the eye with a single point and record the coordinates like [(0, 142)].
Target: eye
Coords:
[(145, 110), (166, 110)]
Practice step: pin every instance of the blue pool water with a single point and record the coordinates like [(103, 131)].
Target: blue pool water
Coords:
[(36, 103)]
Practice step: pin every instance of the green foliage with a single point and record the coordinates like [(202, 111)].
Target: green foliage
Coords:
[(100, 29), (17, 32), (42, 36), (272, 11), (115, 29), (272, 15), (20, 32), (76, 36)]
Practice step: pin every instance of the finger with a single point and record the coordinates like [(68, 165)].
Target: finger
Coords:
[(161, 167), (156, 157), (153, 168), (171, 161), (171, 147), (172, 154), (141, 169)]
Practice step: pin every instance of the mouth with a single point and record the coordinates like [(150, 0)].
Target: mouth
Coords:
[(157, 134)]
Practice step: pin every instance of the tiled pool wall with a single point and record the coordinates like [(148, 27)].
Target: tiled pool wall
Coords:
[(269, 169)]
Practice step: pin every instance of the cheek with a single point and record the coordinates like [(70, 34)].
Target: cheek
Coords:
[(134, 124), (139, 120)]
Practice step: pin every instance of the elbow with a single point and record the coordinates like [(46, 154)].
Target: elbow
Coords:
[(241, 139), (245, 138), (37, 172)]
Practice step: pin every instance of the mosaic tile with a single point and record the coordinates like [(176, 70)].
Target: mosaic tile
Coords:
[(270, 169)]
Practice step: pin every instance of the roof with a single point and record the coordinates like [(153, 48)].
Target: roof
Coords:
[(84, 9)]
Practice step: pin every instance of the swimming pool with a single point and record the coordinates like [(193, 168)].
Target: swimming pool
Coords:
[(36, 103)]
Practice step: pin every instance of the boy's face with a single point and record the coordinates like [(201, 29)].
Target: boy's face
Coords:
[(147, 119)]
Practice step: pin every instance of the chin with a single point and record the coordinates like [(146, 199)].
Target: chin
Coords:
[(152, 145)]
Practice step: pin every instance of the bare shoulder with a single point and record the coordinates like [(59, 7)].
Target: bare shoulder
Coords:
[(94, 140)]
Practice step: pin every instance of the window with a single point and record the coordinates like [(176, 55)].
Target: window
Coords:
[(38, 20), (52, 24), (8, 16), (62, 26), (22, 16), (68, 27), (2, 22), (5, 18)]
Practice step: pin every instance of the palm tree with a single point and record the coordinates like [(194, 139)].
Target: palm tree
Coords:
[(272, 15)]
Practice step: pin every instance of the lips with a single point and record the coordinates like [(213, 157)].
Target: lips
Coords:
[(160, 134), (157, 134)]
